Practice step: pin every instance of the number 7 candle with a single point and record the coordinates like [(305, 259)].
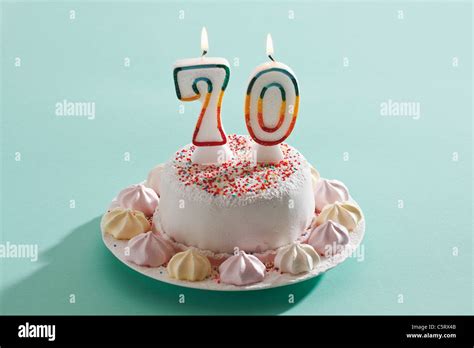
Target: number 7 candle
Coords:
[(271, 107), (205, 79)]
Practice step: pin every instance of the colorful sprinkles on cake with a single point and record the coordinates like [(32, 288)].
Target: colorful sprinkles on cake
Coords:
[(240, 176)]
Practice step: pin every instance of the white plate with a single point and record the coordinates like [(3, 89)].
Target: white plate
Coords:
[(272, 278)]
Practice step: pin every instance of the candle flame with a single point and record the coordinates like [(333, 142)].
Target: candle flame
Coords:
[(204, 41), (269, 45)]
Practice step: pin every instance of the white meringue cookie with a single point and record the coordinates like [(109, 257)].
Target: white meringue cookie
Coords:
[(124, 223), (328, 192), (149, 249), (138, 197), (242, 269), (345, 213), (189, 265), (154, 178), (314, 177), (296, 258), (329, 238)]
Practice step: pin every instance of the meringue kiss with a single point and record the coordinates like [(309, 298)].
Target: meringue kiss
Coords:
[(242, 269), (189, 265), (329, 238), (124, 223), (149, 249), (345, 213), (138, 197), (314, 177), (296, 258), (154, 178), (328, 192)]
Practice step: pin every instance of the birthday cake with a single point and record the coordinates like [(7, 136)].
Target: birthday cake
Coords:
[(234, 209), (243, 218)]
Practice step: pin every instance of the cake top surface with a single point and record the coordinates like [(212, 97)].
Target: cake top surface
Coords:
[(241, 176)]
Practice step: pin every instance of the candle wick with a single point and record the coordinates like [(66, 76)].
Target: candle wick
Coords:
[(204, 52), (271, 58)]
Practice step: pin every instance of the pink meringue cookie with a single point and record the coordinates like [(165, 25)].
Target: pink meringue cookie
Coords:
[(328, 192), (242, 269), (138, 197), (149, 249), (329, 238), (114, 204)]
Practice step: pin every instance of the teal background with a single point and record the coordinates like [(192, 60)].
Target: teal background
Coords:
[(407, 251)]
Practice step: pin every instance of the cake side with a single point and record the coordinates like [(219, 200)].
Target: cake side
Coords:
[(255, 207)]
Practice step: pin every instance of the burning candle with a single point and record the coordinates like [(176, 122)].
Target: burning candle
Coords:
[(205, 79), (271, 106)]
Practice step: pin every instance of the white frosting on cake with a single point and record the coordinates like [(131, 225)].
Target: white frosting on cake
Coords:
[(236, 204)]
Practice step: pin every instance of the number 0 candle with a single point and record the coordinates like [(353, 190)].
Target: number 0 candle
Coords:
[(271, 107), (205, 79)]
